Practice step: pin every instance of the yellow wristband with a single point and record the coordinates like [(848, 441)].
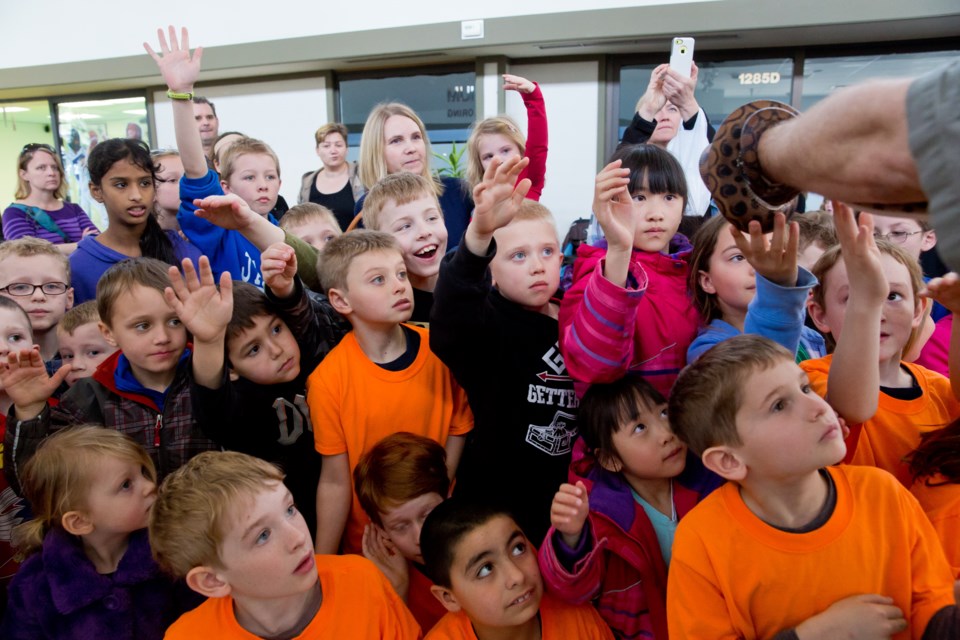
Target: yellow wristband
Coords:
[(173, 95)]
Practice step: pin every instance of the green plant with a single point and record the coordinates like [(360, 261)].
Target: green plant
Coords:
[(451, 162)]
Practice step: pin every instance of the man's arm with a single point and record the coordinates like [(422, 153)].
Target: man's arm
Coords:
[(333, 502)]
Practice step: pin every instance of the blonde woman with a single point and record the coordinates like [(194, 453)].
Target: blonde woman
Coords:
[(395, 140)]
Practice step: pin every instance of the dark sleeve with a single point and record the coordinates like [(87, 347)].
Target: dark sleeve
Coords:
[(638, 132), (219, 413), (691, 123), (315, 324), (458, 315), (944, 625)]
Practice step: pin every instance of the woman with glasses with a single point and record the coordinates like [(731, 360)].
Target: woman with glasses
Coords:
[(39, 209)]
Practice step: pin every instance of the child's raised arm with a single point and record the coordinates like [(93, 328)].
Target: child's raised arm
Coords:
[(278, 264), (614, 208), (569, 511), (946, 291), (853, 384), (496, 201), (206, 312), (776, 259), (180, 72), (537, 132)]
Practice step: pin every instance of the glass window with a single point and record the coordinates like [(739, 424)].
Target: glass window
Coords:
[(82, 125), (21, 123), (721, 86), (821, 76), (446, 102)]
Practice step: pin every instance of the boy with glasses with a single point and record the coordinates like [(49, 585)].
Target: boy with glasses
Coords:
[(35, 275)]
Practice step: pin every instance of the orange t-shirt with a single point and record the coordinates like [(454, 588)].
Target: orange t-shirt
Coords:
[(423, 605), (894, 431), (941, 502), (558, 620), (354, 403), (358, 602), (734, 576)]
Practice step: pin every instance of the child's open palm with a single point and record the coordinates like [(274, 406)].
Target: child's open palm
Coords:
[(774, 259), (945, 290), (498, 196), (569, 510), (26, 382), (614, 207), (201, 307), (517, 83), (179, 69), (860, 254), (227, 211)]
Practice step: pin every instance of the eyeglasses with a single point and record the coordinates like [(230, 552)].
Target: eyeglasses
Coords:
[(896, 237), (24, 289), (33, 146)]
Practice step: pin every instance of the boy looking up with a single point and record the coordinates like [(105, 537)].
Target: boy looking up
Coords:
[(252, 354), (250, 168), (381, 378), (398, 483), (226, 523), (405, 205), (837, 549), (868, 300), (82, 344), (486, 576), (142, 390), (35, 275), (501, 344)]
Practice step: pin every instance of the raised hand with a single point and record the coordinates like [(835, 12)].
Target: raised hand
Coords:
[(614, 207), (378, 549), (774, 259), (568, 512), (25, 380), (496, 200), (680, 90), (201, 307), (517, 83), (227, 211), (653, 98), (179, 69), (278, 265), (860, 617), (945, 290), (860, 255)]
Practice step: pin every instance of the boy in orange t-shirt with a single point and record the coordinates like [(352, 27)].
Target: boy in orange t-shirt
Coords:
[(486, 575), (869, 299), (381, 378), (792, 547), (226, 523)]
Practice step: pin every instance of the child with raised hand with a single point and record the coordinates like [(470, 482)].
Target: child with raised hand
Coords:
[(123, 178), (510, 366), (89, 573), (868, 299), (751, 285), (613, 526), (485, 574), (628, 310), (500, 137), (253, 351), (250, 167)]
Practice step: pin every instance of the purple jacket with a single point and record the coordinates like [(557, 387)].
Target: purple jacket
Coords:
[(618, 564), (71, 219), (58, 594), (608, 331)]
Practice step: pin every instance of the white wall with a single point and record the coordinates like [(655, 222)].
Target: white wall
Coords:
[(99, 29), (571, 93), (282, 113)]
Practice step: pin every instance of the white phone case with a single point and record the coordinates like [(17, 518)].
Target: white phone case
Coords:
[(681, 55)]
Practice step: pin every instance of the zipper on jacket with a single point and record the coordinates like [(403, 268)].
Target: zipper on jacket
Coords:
[(156, 430)]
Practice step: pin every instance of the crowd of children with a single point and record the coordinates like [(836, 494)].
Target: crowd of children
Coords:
[(215, 424)]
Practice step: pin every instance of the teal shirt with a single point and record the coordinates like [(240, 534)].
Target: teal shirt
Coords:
[(663, 525)]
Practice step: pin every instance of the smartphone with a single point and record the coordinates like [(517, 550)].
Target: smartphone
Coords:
[(681, 55)]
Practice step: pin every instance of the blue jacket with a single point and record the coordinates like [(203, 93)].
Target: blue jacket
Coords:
[(775, 312), (227, 250), (58, 594), (92, 259)]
